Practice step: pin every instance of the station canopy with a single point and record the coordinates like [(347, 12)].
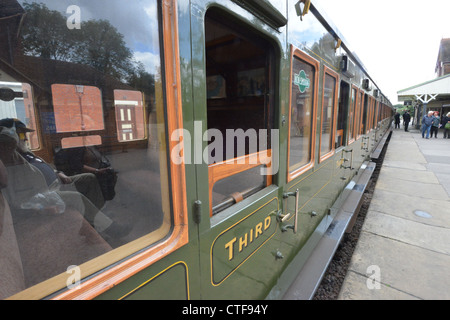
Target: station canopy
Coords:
[(437, 89)]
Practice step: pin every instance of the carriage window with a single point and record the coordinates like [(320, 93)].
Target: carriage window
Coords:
[(77, 108), (352, 115), (328, 113), (342, 114), (16, 101), (359, 113), (376, 114), (239, 109), (365, 111), (129, 115), (84, 141), (302, 110), (102, 121)]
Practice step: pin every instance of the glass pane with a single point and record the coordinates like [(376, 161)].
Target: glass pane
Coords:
[(84, 141), (77, 108), (129, 115), (301, 113), (244, 184), (352, 115), (328, 114), (80, 64), (16, 101)]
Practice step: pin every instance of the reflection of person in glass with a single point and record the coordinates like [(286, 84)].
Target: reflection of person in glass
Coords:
[(29, 176), (298, 116)]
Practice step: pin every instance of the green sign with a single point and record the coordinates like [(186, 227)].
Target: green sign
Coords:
[(302, 81)]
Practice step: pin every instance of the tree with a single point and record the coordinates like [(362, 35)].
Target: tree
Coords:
[(45, 34), (103, 47), (97, 44)]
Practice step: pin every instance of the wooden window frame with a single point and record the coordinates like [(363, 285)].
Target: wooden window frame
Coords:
[(360, 107), (335, 75), (178, 235), (354, 108), (296, 52), (362, 128), (370, 115), (231, 167)]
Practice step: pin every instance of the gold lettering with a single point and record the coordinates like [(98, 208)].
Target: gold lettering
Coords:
[(248, 237), (258, 229), (229, 246), (267, 222), (242, 243)]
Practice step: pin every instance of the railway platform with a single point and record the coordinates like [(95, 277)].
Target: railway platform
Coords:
[(403, 251)]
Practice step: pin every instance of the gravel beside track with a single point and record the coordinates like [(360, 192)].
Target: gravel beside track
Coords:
[(334, 277)]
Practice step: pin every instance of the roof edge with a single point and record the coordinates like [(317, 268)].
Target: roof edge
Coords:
[(423, 83)]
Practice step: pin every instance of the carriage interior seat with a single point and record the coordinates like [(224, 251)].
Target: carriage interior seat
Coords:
[(12, 279), (35, 247)]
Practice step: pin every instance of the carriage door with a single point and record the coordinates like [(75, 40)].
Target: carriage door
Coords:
[(239, 198)]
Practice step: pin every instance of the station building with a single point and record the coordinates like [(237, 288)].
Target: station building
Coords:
[(434, 94)]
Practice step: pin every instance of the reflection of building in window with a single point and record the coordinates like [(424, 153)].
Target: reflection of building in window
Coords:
[(77, 108), (328, 106), (302, 108), (129, 115), (72, 142), (16, 101)]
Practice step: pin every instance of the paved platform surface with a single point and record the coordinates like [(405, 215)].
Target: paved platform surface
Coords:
[(404, 248)]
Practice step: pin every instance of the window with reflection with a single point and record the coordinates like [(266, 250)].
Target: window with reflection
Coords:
[(240, 110), (328, 112), (352, 115), (342, 115), (77, 108), (302, 108), (130, 121), (86, 179), (365, 114), (359, 112), (16, 101)]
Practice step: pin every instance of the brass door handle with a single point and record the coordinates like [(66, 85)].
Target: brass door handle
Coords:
[(285, 217)]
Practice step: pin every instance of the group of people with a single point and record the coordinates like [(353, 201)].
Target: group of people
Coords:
[(33, 184), (406, 120), (431, 123)]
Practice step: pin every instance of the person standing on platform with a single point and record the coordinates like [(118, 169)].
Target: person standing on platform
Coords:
[(435, 124), (427, 121), (406, 119), (446, 126), (397, 120)]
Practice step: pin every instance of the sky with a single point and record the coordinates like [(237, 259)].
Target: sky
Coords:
[(397, 40)]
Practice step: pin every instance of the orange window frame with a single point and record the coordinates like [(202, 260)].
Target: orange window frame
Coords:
[(335, 75), (296, 52), (355, 114), (360, 107), (231, 167), (179, 235), (372, 112), (361, 120), (369, 114)]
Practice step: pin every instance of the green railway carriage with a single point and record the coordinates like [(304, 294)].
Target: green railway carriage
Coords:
[(241, 133)]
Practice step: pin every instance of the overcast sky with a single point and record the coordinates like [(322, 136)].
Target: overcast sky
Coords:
[(397, 40)]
